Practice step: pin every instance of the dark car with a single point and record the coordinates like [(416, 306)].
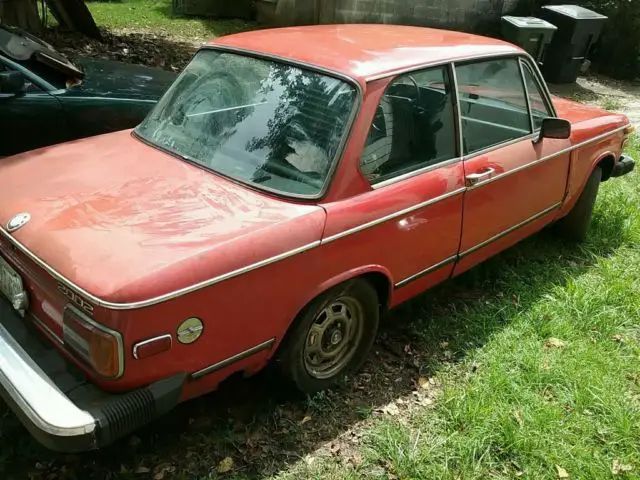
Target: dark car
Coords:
[(47, 99)]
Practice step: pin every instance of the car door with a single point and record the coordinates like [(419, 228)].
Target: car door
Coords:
[(410, 220), (29, 120), (515, 183)]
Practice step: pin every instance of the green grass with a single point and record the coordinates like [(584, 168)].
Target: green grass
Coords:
[(611, 103), (157, 16)]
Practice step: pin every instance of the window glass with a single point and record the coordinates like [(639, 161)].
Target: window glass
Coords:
[(493, 105), (261, 122), (413, 127), (539, 110)]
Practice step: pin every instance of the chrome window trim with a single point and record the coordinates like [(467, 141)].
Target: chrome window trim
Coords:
[(499, 145), (462, 59), (457, 109), (526, 95), (524, 65), (446, 68), (413, 173), (426, 271), (137, 345), (355, 112), (509, 230), (391, 216), (233, 359)]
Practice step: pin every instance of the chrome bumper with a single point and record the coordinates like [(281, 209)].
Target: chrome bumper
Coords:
[(82, 417)]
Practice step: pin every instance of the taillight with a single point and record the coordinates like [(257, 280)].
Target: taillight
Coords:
[(97, 345)]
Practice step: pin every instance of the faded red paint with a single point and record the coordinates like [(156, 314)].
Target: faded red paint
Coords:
[(126, 222)]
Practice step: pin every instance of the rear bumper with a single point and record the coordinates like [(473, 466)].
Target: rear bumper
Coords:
[(57, 404), (623, 166)]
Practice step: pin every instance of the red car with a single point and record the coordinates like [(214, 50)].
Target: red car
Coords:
[(289, 188)]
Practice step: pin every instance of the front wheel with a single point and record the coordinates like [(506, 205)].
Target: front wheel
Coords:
[(331, 337), (575, 225)]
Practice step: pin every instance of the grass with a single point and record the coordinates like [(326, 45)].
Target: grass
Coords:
[(157, 16), (611, 103)]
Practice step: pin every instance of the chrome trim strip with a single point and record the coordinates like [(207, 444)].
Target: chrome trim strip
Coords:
[(526, 94), (160, 298), (46, 407), (233, 359), (484, 151), (511, 229), (413, 173), (393, 73), (391, 216), (457, 109), (543, 159), (426, 271), (150, 340)]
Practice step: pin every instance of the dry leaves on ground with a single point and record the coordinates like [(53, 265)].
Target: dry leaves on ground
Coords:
[(225, 465), (617, 468), (562, 473)]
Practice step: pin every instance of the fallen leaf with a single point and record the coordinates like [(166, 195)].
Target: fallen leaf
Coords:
[(562, 473), (554, 343), (618, 338), (305, 420), (618, 468), (143, 470), (444, 344), (423, 382), (225, 465), (391, 409)]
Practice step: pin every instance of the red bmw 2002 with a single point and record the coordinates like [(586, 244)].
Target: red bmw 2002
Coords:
[(290, 187)]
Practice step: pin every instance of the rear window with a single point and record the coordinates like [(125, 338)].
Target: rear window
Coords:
[(261, 122)]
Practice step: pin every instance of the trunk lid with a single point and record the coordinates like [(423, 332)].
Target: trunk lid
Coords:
[(126, 222)]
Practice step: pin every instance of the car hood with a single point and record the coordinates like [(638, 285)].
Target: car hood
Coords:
[(104, 78), (127, 223)]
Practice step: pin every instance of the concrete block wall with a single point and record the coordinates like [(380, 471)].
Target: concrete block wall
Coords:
[(459, 14)]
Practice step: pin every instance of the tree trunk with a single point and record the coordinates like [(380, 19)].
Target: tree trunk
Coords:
[(74, 15), (21, 13)]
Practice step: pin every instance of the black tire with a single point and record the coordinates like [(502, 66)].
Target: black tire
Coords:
[(575, 225), (293, 352)]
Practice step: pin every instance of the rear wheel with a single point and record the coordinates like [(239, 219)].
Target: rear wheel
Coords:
[(575, 225), (331, 337)]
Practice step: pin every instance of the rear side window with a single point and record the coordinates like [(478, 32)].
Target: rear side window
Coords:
[(539, 109), (493, 104), (413, 127)]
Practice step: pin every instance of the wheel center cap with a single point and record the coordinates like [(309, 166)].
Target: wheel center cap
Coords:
[(336, 337)]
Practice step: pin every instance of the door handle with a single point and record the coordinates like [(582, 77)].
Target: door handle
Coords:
[(474, 178)]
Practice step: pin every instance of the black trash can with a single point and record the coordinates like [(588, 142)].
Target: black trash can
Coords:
[(578, 30), (530, 33)]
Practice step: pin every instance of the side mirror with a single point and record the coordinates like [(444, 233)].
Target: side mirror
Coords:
[(554, 128), (11, 84)]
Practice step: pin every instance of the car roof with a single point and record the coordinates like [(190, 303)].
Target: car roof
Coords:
[(366, 51)]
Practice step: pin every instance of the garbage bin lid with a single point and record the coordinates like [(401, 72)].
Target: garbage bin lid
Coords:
[(574, 11), (529, 22)]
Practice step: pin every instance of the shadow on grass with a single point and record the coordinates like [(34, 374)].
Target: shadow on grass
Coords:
[(259, 425), (574, 91)]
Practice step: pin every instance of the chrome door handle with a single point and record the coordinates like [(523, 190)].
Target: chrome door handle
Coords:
[(474, 178)]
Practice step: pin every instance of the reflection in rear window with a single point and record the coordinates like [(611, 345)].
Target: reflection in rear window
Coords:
[(261, 122)]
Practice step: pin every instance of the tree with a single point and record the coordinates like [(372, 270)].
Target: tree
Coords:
[(70, 14)]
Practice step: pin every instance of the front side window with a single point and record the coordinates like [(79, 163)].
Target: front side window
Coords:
[(493, 105), (413, 127), (539, 109), (260, 122)]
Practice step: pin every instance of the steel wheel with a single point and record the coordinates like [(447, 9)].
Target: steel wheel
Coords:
[(333, 337)]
